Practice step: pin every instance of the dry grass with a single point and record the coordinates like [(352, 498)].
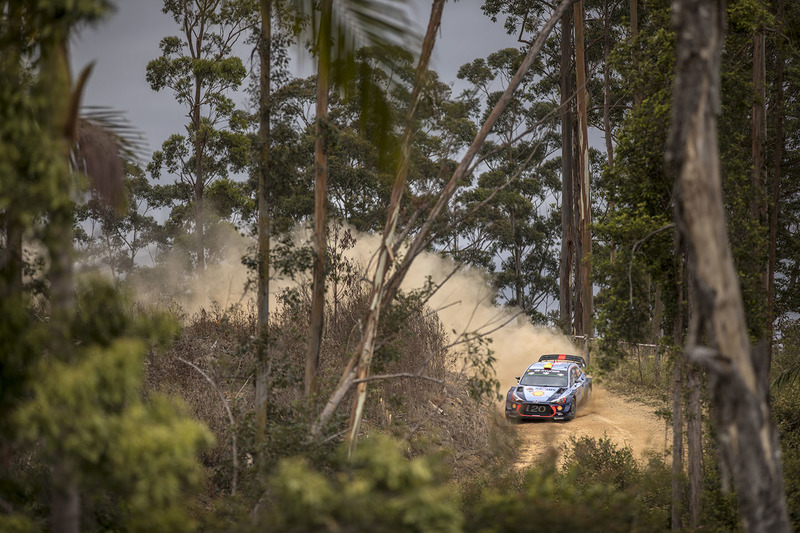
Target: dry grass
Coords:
[(432, 416)]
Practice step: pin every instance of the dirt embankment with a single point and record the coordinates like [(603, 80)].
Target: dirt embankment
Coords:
[(624, 421)]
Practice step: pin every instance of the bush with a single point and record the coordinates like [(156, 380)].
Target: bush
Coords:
[(599, 488), (380, 490)]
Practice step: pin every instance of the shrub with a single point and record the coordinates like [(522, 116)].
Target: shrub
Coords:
[(380, 490)]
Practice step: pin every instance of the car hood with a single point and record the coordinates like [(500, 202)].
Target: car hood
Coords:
[(538, 394)]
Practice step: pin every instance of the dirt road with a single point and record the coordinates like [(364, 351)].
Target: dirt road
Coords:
[(624, 421)]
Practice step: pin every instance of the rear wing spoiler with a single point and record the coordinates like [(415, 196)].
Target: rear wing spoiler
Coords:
[(563, 357)]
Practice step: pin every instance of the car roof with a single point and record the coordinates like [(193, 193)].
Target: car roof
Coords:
[(564, 357), (561, 365)]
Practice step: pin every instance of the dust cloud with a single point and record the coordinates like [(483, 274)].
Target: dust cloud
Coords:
[(463, 300), (464, 303)]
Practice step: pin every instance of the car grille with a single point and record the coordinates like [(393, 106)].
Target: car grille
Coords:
[(538, 409)]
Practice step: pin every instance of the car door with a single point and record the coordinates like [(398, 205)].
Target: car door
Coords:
[(579, 384), (573, 380)]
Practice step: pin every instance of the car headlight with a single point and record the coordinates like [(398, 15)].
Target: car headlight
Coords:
[(516, 398), (563, 399)]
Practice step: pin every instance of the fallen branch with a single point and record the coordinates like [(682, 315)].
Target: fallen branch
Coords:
[(234, 449)]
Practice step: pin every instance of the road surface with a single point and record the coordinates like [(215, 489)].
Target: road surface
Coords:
[(624, 421)]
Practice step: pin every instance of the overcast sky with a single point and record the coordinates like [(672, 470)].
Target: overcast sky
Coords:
[(122, 46)]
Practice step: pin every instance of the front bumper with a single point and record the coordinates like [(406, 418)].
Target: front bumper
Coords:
[(532, 410)]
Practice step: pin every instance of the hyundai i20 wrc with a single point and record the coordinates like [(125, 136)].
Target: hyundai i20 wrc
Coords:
[(553, 388)]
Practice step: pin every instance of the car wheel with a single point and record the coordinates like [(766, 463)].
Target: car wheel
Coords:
[(574, 409)]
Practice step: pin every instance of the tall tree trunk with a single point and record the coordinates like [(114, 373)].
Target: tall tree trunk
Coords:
[(11, 262), (758, 126), (366, 347), (320, 200), (759, 133), (694, 428), (677, 444), (264, 184), (677, 391), (584, 200), (655, 331), (775, 192), (60, 126), (694, 421), (200, 249), (577, 290), (606, 95), (637, 92), (567, 216), (738, 396), (519, 285)]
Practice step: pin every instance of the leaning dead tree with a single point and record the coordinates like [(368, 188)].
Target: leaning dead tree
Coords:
[(718, 335)]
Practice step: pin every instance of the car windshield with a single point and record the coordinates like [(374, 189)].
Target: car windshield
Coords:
[(545, 377)]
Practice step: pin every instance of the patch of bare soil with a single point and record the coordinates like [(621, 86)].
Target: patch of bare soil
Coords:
[(623, 420)]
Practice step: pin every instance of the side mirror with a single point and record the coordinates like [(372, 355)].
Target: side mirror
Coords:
[(516, 377)]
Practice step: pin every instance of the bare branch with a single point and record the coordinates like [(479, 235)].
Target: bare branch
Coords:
[(231, 420)]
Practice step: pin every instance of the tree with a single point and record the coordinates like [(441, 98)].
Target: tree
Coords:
[(583, 286), (200, 69), (567, 217), (263, 221), (748, 438), (509, 202), (116, 238)]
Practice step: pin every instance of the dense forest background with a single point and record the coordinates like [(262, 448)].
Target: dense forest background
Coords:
[(244, 330)]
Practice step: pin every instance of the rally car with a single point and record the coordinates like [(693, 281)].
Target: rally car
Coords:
[(554, 387)]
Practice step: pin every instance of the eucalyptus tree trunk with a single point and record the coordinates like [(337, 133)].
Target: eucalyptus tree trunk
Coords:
[(677, 444), (759, 126), (264, 183), (606, 76), (11, 261), (198, 188), (567, 202), (317, 318), (693, 416), (739, 394), (56, 85), (694, 434), (584, 197), (676, 507), (637, 93), (776, 190), (760, 196)]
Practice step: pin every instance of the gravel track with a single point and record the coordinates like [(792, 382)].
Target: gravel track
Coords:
[(621, 419)]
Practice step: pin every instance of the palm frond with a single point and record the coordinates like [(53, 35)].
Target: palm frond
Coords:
[(104, 140), (789, 376), (381, 24)]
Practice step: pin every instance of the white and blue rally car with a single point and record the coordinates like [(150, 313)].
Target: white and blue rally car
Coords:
[(554, 387)]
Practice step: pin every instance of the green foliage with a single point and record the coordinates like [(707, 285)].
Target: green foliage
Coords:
[(786, 410), (599, 488), (87, 411), (636, 253), (380, 490)]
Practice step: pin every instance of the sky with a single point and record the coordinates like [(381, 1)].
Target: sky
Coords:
[(123, 44)]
